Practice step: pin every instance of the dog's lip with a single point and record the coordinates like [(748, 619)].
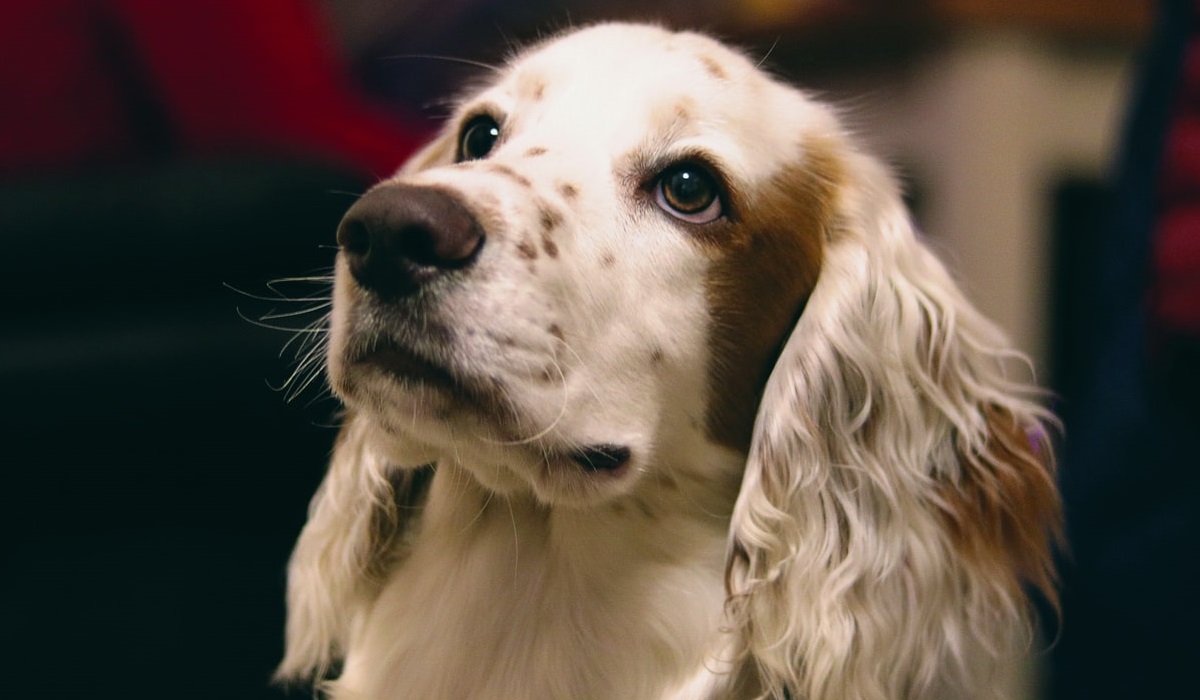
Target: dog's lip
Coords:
[(606, 458), (408, 365)]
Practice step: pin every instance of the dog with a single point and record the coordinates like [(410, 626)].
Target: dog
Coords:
[(652, 392)]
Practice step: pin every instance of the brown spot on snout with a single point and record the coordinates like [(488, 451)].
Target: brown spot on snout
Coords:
[(568, 191), (535, 151), (549, 219), (764, 270), (549, 245), (527, 250)]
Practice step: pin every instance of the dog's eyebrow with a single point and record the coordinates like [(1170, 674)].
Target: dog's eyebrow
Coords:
[(531, 84), (483, 109), (671, 120)]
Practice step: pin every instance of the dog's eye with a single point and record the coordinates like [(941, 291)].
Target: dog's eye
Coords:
[(478, 138), (689, 192)]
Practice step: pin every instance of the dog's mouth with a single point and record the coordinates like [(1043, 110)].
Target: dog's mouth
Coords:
[(408, 366), (413, 369), (602, 458)]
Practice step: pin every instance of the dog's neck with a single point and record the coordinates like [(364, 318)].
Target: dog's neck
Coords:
[(487, 586), (671, 513)]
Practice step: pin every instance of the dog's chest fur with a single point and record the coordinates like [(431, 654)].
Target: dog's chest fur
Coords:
[(502, 598)]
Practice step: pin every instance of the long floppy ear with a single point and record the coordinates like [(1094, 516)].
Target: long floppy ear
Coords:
[(349, 540), (899, 490)]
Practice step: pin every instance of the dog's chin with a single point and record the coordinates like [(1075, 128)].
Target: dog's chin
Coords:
[(552, 479), (586, 476), (416, 400)]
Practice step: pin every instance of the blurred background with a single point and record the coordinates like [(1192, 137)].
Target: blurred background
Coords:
[(171, 175)]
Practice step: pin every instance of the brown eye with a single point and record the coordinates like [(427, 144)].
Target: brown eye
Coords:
[(689, 192), (478, 138)]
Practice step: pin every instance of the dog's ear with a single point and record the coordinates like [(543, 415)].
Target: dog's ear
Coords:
[(899, 492), (338, 563)]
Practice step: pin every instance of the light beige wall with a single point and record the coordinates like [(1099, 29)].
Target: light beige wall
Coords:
[(988, 123)]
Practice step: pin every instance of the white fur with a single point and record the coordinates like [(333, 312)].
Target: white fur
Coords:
[(817, 564)]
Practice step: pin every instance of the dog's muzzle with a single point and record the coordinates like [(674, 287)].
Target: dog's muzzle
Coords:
[(398, 238)]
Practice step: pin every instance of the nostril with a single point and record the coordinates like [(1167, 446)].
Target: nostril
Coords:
[(417, 244), (354, 238), (451, 245)]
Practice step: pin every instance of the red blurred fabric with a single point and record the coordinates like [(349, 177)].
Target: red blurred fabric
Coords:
[(227, 76), (1175, 245)]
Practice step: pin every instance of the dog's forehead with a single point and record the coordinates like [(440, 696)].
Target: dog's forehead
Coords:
[(629, 52), (623, 86)]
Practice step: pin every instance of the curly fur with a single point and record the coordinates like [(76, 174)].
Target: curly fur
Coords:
[(874, 486)]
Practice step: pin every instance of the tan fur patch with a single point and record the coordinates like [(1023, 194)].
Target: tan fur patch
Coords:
[(714, 67), (532, 86), (549, 218), (668, 121), (1004, 513), (568, 191), (535, 151), (766, 266), (527, 250), (549, 245), (683, 109), (506, 171)]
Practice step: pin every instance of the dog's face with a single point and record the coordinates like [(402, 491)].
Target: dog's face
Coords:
[(637, 271), (594, 264)]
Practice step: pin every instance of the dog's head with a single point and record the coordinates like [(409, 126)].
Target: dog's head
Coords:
[(635, 251), (594, 265)]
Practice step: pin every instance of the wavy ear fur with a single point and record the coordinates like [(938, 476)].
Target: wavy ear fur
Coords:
[(339, 561), (899, 491)]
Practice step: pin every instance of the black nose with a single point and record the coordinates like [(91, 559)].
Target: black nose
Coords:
[(397, 238)]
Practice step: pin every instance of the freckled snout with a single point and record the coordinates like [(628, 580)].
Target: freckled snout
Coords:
[(398, 238)]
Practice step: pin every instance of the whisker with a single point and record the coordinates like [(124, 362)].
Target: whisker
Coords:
[(314, 373), (579, 360), (273, 316), (285, 329), (299, 339), (322, 278), (768, 53), (280, 295), (346, 193), (449, 59), (479, 514)]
